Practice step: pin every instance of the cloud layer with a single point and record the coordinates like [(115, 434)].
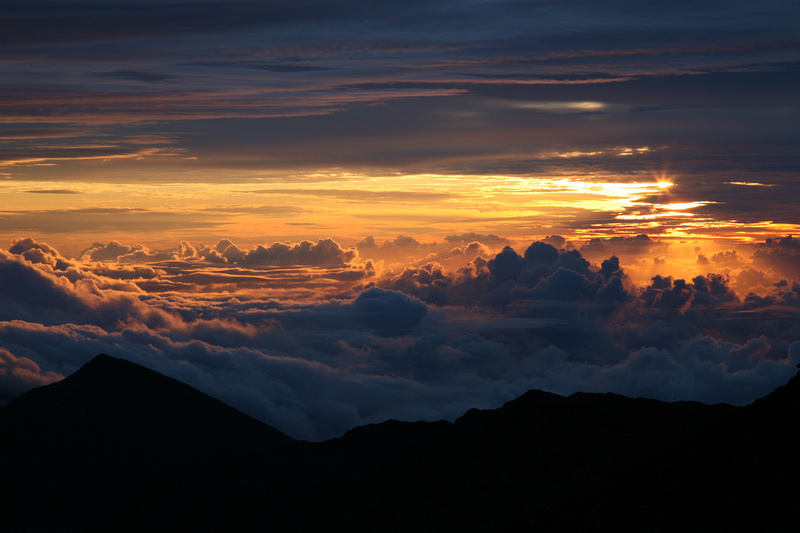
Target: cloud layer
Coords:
[(315, 338)]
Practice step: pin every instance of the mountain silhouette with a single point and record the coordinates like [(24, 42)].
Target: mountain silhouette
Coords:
[(113, 404), (117, 447), (119, 438)]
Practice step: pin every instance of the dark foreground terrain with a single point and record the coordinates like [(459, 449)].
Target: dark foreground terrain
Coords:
[(117, 447)]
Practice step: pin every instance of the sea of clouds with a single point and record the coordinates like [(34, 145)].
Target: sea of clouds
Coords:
[(314, 338)]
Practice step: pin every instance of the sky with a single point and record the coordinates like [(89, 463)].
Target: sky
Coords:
[(335, 213)]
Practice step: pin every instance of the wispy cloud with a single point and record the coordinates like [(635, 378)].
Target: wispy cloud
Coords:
[(360, 195), (136, 75), (53, 191)]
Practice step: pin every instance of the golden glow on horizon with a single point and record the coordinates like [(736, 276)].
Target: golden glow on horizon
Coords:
[(351, 206)]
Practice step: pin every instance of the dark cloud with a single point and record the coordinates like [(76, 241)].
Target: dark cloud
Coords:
[(90, 21), (543, 273), (428, 283), (483, 51), (136, 75), (40, 133), (388, 311), (259, 65)]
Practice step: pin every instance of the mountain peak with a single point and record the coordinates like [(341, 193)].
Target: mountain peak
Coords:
[(104, 366), (103, 361), (117, 404)]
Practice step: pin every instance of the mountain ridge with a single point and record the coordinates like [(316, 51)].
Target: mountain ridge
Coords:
[(119, 444)]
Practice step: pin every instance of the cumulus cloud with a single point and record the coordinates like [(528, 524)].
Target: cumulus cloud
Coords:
[(314, 350), (490, 239), (542, 273), (781, 255), (555, 240), (325, 252), (402, 241), (730, 258), (638, 245), (30, 292), (367, 244), (108, 252), (37, 252)]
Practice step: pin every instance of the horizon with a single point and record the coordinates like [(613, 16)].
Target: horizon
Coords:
[(324, 214)]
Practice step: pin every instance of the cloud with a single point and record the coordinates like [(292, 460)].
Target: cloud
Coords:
[(750, 279), (325, 252), (53, 191), (368, 243), (469, 237), (315, 355), (781, 255), (36, 252), (108, 252), (19, 374), (402, 241), (259, 65), (555, 240), (302, 95), (36, 292), (359, 195), (136, 75), (388, 311), (126, 20), (428, 283), (638, 245), (92, 220), (729, 258)]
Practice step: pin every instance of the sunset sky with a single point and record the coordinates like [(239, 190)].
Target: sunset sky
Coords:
[(301, 207)]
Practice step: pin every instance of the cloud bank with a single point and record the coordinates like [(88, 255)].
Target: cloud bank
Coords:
[(317, 338)]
